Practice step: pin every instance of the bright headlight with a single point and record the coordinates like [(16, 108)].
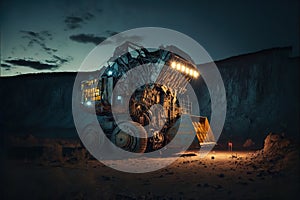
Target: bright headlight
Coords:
[(182, 68), (173, 65), (196, 74), (187, 70)]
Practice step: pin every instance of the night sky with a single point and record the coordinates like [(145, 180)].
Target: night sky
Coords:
[(40, 36)]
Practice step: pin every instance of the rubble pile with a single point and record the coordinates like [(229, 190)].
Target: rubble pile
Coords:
[(248, 144), (276, 146), (279, 152)]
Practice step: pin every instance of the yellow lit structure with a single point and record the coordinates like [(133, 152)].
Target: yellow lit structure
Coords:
[(91, 91)]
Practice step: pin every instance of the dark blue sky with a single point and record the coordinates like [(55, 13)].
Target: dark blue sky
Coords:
[(57, 35)]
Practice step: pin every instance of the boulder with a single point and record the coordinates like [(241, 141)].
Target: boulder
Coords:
[(248, 143)]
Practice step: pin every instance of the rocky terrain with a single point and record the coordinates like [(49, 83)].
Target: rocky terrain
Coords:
[(269, 173)]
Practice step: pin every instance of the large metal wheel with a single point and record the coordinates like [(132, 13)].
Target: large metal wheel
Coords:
[(122, 139)]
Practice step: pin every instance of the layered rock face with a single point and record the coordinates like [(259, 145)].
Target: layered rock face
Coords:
[(37, 104), (262, 91)]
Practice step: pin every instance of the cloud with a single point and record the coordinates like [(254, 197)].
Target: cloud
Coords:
[(57, 60), (51, 61), (38, 35), (74, 22), (40, 39), (87, 38), (60, 60), (31, 33), (91, 38), (6, 66), (88, 16), (47, 34), (111, 33), (32, 64)]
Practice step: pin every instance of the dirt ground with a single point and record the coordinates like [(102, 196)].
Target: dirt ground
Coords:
[(220, 175)]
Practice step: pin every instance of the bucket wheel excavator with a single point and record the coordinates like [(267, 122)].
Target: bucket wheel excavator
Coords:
[(97, 92)]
